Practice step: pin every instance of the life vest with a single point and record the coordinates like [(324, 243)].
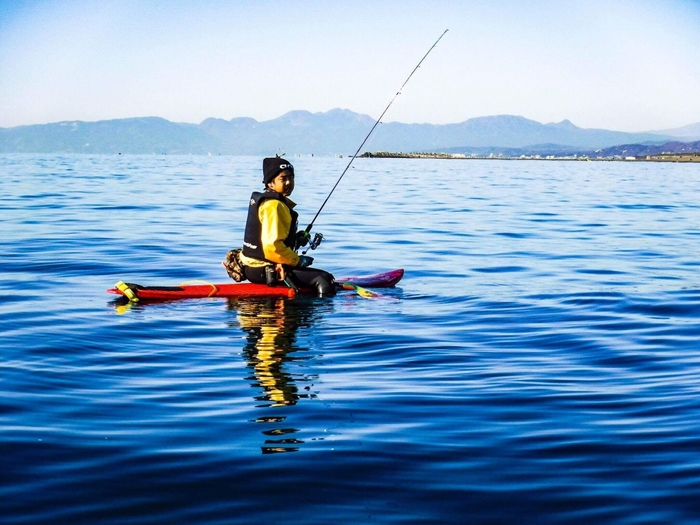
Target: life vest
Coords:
[(252, 240)]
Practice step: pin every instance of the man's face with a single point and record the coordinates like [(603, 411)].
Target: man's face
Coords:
[(283, 183)]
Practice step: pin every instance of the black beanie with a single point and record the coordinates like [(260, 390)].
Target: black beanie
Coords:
[(272, 166)]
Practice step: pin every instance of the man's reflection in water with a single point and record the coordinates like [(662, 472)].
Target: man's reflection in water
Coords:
[(271, 325)]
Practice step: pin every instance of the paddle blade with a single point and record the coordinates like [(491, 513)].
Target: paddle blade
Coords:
[(362, 292)]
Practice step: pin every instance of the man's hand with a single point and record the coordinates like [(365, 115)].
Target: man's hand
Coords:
[(305, 261)]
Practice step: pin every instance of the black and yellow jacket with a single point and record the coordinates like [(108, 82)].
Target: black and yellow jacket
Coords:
[(270, 232)]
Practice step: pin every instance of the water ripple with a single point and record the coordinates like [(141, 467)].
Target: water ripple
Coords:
[(539, 358)]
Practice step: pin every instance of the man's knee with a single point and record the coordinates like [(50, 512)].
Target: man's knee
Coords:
[(325, 284)]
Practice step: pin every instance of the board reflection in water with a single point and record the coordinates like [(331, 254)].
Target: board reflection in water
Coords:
[(277, 361)]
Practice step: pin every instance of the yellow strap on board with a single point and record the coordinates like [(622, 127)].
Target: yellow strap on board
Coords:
[(214, 289), (128, 292)]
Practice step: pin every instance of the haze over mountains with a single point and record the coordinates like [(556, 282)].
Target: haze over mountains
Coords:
[(338, 131)]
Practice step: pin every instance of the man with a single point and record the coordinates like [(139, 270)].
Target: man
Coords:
[(271, 237)]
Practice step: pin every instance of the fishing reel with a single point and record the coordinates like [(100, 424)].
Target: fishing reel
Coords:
[(314, 243)]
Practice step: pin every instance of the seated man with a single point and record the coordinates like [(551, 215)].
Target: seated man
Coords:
[(271, 237)]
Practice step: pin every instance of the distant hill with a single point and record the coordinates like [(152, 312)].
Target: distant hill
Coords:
[(623, 150), (639, 150), (691, 132), (338, 131), (131, 135), (502, 131)]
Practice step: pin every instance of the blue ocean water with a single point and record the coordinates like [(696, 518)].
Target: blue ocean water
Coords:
[(539, 363)]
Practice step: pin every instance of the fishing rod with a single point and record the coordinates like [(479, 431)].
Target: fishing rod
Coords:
[(311, 224)]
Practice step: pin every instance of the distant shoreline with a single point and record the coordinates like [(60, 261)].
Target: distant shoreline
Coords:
[(672, 157)]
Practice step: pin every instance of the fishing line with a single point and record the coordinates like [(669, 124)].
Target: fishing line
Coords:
[(308, 228)]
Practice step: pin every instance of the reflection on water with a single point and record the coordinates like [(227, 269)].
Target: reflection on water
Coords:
[(271, 325)]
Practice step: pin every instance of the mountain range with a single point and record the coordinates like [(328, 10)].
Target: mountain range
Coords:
[(338, 131)]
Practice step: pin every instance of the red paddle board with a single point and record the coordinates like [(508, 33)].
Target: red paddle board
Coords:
[(192, 291)]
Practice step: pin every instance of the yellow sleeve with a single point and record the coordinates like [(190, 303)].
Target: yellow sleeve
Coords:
[(276, 221)]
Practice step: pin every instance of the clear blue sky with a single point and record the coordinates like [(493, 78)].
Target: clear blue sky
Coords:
[(628, 65)]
